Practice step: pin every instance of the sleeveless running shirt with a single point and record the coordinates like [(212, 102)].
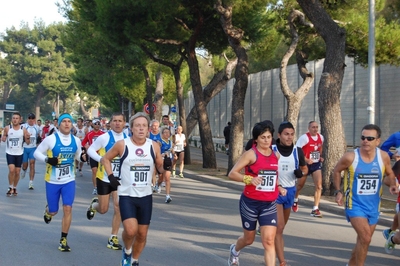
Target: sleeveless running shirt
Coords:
[(15, 140), (313, 148), (107, 141), (287, 165), (363, 182), (64, 172), (267, 168), (137, 167)]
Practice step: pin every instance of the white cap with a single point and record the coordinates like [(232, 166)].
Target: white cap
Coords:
[(96, 121), (127, 124)]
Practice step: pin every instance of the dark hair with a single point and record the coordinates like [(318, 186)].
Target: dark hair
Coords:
[(229, 123), (262, 127), (373, 127), (17, 113), (283, 125)]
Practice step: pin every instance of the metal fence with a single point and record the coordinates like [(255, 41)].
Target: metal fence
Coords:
[(264, 100)]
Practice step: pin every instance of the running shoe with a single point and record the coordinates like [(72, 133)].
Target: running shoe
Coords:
[(316, 213), (258, 232), (168, 199), (113, 243), (64, 245), (233, 260), (163, 184), (22, 174), (135, 263), (155, 189), (389, 245), (9, 192), (284, 263), (46, 217), (295, 207), (386, 233), (181, 175), (158, 189), (30, 187), (91, 211), (15, 193), (80, 172), (126, 259), (94, 191), (173, 173)]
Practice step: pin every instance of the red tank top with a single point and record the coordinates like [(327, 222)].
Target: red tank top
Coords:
[(312, 150), (267, 168)]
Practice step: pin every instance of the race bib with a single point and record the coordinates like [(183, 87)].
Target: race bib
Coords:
[(63, 171), (140, 176), (314, 156), (13, 142), (367, 184), (33, 140), (268, 183), (115, 163)]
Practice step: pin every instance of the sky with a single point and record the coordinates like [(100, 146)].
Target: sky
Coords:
[(12, 12)]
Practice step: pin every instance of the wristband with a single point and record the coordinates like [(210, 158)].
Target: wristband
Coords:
[(337, 191), (247, 179)]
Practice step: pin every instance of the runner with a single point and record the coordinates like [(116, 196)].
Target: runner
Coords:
[(155, 135), (311, 143), (179, 151), (258, 200), (15, 135), (365, 168), (292, 165), (80, 133), (166, 150), (61, 148), (34, 133), (139, 158), (104, 187), (86, 142)]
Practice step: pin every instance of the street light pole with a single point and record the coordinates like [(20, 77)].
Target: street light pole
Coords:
[(371, 61)]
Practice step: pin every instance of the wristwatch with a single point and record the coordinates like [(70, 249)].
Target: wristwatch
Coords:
[(337, 191)]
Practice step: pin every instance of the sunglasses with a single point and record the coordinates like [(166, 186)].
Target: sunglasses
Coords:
[(367, 138), (97, 124)]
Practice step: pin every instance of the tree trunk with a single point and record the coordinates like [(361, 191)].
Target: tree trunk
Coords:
[(158, 95), (235, 36), (149, 92), (85, 114), (295, 99), (207, 145), (329, 87), (39, 97), (7, 89), (216, 85)]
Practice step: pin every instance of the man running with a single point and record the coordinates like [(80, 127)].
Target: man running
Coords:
[(366, 168), (34, 133), (59, 151), (311, 143), (15, 135), (86, 142), (80, 132), (139, 158), (104, 187)]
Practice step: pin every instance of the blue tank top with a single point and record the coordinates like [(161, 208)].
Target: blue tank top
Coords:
[(156, 137), (64, 171), (166, 146), (363, 183)]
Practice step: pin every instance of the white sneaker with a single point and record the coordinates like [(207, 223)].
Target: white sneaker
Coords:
[(389, 246), (233, 260), (30, 187), (22, 174), (94, 191), (163, 184), (158, 189), (168, 199)]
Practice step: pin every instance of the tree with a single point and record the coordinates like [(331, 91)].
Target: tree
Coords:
[(330, 84), (295, 99)]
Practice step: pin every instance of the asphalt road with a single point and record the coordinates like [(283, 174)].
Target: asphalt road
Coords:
[(197, 228)]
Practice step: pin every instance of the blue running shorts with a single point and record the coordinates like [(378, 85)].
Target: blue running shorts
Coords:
[(372, 217), (252, 211), (28, 154), (288, 200), (55, 191), (138, 208)]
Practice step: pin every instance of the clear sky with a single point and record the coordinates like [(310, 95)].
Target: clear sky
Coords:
[(12, 12)]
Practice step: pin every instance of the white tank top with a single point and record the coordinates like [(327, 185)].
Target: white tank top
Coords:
[(137, 167), (80, 133), (33, 132), (14, 141)]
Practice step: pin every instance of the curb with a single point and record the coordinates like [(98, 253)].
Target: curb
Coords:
[(385, 219)]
